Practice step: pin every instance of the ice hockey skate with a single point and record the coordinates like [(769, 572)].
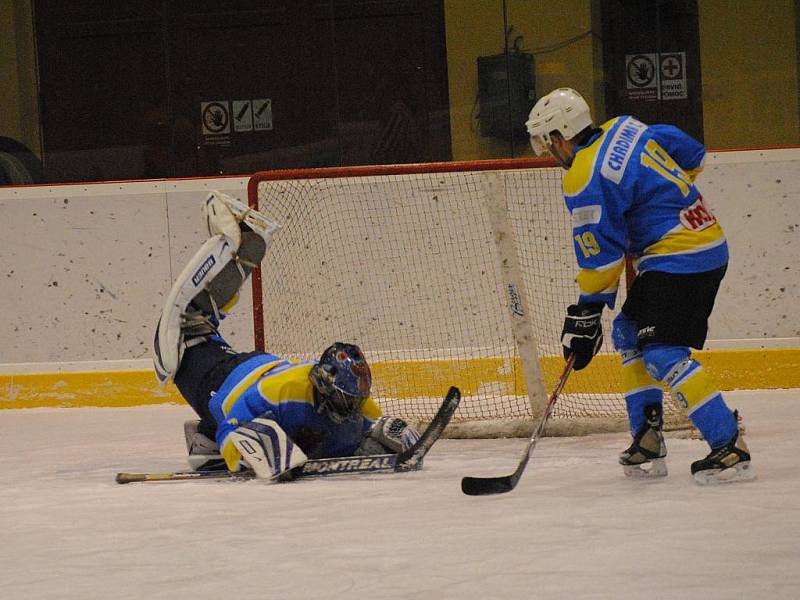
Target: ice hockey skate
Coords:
[(203, 452), (726, 464), (227, 215), (645, 457)]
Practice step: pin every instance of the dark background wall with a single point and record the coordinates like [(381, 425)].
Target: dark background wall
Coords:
[(124, 85)]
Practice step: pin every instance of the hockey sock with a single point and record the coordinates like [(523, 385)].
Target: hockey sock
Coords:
[(701, 399), (640, 389)]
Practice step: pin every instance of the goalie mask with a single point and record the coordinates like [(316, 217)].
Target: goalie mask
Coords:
[(563, 110), (342, 380)]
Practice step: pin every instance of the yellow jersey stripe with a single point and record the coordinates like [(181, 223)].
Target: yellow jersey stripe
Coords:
[(245, 383), (682, 241), (583, 167), (604, 279)]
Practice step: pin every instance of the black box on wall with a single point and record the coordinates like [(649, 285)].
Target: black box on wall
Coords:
[(506, 94)]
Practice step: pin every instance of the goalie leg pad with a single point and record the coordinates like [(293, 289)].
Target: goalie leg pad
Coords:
[(207, 288), (174, 325), (222, 292), (264, 446)]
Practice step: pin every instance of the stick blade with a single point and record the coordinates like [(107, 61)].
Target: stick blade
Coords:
[(484, 486), (410, 459)]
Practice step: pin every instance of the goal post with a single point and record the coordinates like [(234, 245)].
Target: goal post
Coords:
[(445, 274)]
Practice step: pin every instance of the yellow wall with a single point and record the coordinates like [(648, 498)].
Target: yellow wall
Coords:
[(9, 78), (748, 53), (475, 28), (748, 58), (19, 118)]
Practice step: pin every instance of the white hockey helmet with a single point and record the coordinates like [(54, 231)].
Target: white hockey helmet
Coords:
[(563, 110)]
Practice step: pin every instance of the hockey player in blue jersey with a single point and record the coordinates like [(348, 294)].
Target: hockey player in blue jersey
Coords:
[(630, 190), (256, 409)]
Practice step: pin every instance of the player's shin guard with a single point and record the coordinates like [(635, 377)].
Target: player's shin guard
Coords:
[(645, 456), (264, 446)]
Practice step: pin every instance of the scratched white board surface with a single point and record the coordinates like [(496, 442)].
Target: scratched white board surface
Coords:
[(85, 268)]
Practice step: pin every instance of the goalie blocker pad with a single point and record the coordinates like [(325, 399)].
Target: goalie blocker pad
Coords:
[(207, 287)]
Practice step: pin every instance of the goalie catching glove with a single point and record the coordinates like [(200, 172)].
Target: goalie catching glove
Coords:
[(583, 333), (388, 435)]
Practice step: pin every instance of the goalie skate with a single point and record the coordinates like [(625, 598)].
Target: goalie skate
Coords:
[(226, 215), (203, 452), (644, 459)]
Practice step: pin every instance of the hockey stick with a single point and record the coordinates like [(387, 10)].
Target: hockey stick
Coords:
[(480, 486), (408, 460)]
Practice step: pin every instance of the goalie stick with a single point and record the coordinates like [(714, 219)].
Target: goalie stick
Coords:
[(480, 486), (407, 460)]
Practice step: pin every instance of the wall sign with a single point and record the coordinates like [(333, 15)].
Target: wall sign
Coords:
[(262, 114), (216, 117), (242, 115), (650, 77), (673, 76), (220, 117)]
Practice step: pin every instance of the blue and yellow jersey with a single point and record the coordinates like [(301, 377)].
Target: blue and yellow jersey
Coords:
[(630, 190), (269, 384)]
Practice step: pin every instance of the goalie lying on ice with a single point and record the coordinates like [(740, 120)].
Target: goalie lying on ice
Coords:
[(256, 409)]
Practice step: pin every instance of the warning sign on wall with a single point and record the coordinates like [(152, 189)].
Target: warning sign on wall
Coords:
[(641, 72), (656, 76), (216, 117)]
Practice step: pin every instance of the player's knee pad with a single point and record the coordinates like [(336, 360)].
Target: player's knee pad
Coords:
[(662, 360)]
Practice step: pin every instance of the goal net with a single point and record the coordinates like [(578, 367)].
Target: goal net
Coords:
[(444, 274)]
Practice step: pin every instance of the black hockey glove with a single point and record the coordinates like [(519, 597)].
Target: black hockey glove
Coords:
[(583, 333)]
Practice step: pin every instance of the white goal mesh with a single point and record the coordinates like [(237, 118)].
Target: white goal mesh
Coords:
[(403, 262)]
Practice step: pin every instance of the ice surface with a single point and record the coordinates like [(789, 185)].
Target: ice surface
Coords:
[(573, 528)]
